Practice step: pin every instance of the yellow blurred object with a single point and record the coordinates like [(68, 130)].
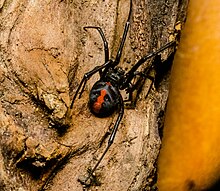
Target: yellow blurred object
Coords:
[(190, 154)]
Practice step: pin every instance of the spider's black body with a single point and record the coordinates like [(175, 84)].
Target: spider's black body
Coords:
[(105, 97)]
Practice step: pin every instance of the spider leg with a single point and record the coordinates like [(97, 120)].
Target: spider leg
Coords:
[(110, 141), (135, 89), (118, 56), (86, 77), (105, 42), (130, 75)]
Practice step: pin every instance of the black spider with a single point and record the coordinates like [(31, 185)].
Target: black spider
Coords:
[(105, 97)]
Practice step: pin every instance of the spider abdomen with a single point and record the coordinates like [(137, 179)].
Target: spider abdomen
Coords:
[(103, 99)]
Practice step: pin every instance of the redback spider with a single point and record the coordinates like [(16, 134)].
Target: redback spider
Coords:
[(105, 97)]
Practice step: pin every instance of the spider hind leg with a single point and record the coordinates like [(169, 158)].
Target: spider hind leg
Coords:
[(135, 89)]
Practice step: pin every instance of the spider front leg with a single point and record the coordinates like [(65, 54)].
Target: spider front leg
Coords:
[(110, 142), (105, 43), (86, 77)]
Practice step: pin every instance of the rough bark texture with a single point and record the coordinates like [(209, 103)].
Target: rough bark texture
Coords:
[(44, 54)]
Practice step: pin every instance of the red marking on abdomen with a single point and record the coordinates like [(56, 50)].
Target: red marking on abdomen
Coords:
[(98, 104), (108, 83)]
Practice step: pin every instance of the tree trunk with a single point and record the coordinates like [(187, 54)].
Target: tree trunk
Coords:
[(44, 54)]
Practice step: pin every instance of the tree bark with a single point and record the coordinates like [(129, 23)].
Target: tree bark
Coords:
[(44, 55)]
